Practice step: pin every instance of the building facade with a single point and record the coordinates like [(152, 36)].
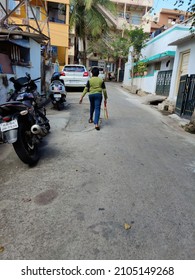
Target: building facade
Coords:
[(129, 14), (43, 16), (169, 56), (167, 18)]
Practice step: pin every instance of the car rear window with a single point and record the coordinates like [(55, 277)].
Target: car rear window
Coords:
[(74, 69)]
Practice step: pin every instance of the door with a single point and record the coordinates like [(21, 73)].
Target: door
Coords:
[(182, 83), (184, 63)]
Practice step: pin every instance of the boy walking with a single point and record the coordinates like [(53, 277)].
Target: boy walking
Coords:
[(95, 87)]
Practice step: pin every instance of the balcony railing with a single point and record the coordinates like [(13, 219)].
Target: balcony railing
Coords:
[(52, 19)]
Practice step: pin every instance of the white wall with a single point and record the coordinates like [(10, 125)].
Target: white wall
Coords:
[(3, 91), (157, 45), (35, 69), (164, 67), (145, 83), (19, 71)]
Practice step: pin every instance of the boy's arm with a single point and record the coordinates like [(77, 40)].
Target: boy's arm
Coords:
[(86, 89)]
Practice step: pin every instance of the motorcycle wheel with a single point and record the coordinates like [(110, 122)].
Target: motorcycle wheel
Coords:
[(59, 106), (26, 150)]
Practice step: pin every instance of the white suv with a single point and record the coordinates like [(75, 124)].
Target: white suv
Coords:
[(74, 75)]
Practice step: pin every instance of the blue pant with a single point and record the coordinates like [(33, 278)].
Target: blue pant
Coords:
[(95, 105)]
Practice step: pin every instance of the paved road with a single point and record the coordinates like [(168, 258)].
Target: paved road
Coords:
[(124, 192)]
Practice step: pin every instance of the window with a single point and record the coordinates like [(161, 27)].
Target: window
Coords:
[(136, 19), (157, 66), (37, 12), (57, 12), (18, 55), (12, 4), (74, 68), (171, 21)]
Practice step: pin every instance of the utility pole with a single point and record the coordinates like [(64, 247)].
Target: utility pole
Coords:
[(27, 15), (132, 66), (6, 6), (119, 60)]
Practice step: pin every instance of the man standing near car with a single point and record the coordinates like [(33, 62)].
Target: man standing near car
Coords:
[(95, 87)]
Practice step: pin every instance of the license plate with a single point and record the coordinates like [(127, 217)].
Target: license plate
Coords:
[(9, 125), (57, 95)]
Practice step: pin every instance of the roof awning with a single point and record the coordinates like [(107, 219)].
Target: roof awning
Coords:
[(182, 40), (21, 42), (159, 56), (6, 34)]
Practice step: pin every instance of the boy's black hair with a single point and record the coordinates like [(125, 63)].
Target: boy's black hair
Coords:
[(95, 71)]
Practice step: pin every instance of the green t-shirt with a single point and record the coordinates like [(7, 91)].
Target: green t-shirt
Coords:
[(95, 85)]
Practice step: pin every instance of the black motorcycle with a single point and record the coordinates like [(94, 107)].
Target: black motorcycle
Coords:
[(57, 91), (23, 120)]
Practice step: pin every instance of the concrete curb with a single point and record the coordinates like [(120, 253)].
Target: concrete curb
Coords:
[(173, 120)]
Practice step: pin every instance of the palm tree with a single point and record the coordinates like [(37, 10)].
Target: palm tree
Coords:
[(88, 21)]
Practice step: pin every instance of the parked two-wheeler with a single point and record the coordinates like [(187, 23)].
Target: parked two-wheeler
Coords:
[(57, 91), (23, 121)]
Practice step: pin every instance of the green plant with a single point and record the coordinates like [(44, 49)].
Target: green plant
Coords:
[(135, 69), (141, 68)]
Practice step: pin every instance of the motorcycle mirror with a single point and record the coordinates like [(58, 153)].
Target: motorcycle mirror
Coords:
[(28, 75), (12, 79)]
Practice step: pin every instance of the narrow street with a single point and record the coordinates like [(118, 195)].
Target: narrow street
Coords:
[(124, 192)]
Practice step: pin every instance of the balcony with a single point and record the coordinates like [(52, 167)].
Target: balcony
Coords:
[(126, 20), (145, 3)]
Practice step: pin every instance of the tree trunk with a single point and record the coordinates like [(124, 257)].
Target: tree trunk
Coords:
[(76, 50), (84, 53)]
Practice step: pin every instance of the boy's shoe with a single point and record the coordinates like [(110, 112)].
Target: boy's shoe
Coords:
[(97, 127), (90, 121)]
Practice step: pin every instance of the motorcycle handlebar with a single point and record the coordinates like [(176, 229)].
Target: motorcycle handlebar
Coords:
[(36, 79), (14, 81), (29, 77)]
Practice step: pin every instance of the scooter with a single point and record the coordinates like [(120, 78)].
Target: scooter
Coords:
[(57, 91)]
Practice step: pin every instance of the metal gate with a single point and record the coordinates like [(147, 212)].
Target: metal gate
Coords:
[(163, 82), (121, 75), (186, 96)]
